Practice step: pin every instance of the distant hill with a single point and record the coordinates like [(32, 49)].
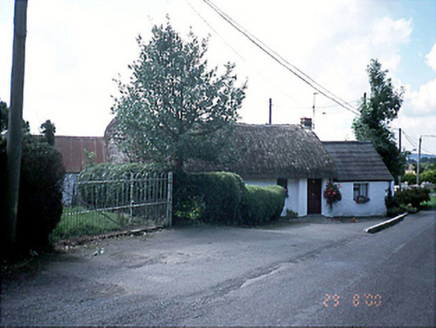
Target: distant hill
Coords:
[(414, 156)]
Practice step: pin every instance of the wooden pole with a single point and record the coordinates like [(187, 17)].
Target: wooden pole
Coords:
[(399, 145), (419, 160), (15, 128)]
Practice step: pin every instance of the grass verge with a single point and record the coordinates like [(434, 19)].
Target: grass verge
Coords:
[(76, 222), (432, 202)]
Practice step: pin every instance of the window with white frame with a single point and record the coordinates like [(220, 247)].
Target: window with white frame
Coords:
[(360, 189)]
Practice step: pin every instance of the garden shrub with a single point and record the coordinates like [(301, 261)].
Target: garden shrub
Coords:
[(414, 196), (214, 197), (262, 204), (223, 197), (40, 194), (428, 176), (222, 194), (410, 178)]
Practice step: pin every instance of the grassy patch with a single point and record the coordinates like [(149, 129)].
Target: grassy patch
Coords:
[(432, 202), (76, 222)]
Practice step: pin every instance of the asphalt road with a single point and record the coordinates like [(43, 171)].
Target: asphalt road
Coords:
[(315, 274)]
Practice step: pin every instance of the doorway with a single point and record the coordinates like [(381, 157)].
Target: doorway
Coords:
[(314, 196)]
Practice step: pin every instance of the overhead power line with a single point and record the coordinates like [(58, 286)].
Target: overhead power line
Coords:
[(280, 60), (238, 54)]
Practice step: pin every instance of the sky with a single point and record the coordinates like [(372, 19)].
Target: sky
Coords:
[(75, 49)]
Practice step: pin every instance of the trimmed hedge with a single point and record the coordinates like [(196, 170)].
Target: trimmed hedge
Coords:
[(40, 195), (223, 197), (262, 204), (214, 197), (105, 171)]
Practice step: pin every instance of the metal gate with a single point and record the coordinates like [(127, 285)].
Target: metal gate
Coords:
[(144, 200)]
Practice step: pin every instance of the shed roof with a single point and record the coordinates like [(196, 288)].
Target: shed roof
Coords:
[(72, 150), (272, 151), (357, 161)]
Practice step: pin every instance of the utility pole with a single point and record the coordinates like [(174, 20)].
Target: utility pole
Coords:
[(15, 128), (399, 144), (313, 117), (419, 159), (419, 155), (270, 111)]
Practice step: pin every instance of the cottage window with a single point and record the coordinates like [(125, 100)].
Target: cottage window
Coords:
[(360, 189)]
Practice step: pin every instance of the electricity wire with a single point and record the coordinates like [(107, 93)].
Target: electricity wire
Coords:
[(294, 70), (238, 54)]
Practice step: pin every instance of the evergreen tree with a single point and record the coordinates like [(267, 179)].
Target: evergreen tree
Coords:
[(377, 113), (174, 108)]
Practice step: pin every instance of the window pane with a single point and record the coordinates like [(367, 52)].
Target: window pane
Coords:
[(356, 190)]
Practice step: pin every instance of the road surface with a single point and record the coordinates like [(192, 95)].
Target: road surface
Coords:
[(311, 274)]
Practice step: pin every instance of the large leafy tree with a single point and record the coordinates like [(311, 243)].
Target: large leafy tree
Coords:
[(377, 113), (174, 107)]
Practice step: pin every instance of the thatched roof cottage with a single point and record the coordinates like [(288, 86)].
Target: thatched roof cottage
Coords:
[(286, 154)]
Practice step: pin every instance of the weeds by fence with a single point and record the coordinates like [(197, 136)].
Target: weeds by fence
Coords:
[(117, 204)]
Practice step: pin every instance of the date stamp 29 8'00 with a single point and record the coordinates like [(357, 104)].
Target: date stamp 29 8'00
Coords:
[(367, 300)]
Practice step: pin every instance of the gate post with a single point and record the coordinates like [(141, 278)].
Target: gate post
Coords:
[(170, 199), (131, 198)]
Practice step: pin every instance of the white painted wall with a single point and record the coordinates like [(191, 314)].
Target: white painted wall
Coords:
[(377, 191)]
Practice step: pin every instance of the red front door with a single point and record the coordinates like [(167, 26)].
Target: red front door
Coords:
[(313, 196)]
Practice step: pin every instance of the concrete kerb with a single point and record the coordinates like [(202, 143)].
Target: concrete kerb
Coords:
[(385, 224)]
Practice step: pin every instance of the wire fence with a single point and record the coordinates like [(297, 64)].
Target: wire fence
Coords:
[(93, 207)]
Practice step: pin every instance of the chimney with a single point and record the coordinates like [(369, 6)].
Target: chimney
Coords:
[(306, 123)]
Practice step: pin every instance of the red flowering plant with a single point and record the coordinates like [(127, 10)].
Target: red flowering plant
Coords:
[(332, 193)]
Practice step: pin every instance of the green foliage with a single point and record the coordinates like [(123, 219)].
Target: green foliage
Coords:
[(85, 223), (410, 178), (428, 176), (40, 195), (4, 119), (48, 130), (223, 198), (262, 204), (105, 171), (174, 108), (431, 203), (415, 197), (90, 157), (215, 196), (4, 116), (115, 193), (375, 116)]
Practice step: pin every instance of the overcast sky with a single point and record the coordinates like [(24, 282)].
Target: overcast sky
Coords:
[(75, 48)]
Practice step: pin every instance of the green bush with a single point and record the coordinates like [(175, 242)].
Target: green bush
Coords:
[(40, 195), (216, 196), (223, 197), (428, 176), (262, 204), (414, 197), (410, 178)]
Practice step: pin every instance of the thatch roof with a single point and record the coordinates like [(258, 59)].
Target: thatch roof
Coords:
[(357, 161), (273, 151)]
